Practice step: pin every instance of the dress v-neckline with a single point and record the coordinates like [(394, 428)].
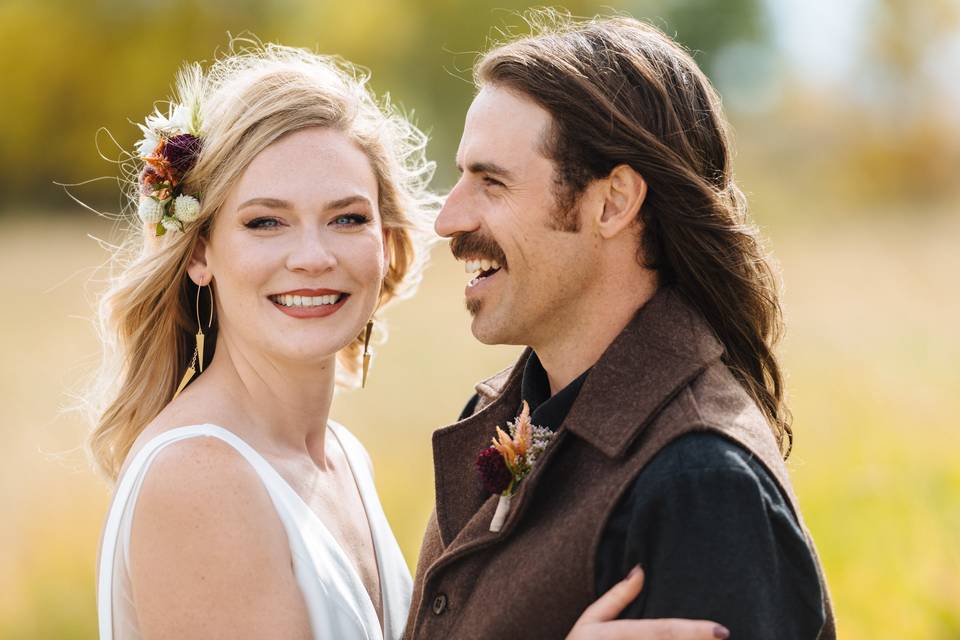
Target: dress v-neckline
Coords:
[(364, 500)]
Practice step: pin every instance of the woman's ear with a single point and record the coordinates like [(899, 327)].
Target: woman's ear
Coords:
[(624, 195), (198, 269)]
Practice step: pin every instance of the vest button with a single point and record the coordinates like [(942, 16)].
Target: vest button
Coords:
[(440, 604)]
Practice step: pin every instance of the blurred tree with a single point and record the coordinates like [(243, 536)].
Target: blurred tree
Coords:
[(909, 147), (707, 27), (72, 67)]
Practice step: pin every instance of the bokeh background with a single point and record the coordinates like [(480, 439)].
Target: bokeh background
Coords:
[(846, 119)]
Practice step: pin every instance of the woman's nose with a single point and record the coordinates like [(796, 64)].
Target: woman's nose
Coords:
[(312, 253)]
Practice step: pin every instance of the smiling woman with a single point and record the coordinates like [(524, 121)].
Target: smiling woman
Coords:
[(247, 102), (278, 189)]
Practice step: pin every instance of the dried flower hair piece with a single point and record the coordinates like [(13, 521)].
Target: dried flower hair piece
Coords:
[(169, 149)]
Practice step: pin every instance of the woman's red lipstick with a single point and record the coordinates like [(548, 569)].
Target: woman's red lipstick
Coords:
[(311, 311)]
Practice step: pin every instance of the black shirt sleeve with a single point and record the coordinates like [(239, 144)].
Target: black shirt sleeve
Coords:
[(717, 541)]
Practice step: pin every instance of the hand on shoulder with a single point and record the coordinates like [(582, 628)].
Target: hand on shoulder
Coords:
[(209, 557)]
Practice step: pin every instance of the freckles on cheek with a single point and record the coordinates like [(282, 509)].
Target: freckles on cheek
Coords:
[(366, 255), (250, 272)]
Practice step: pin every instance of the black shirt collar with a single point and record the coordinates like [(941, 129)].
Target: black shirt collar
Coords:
[(547, 411)]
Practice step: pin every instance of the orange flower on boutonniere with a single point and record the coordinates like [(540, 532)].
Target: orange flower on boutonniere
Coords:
[(510, 459)]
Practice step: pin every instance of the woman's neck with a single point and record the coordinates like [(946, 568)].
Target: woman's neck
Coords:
[(278, 405)]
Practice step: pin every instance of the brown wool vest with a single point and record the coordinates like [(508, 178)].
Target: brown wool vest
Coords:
[(661, 378)]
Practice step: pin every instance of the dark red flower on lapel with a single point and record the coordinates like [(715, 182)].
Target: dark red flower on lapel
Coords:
[(493, 470)]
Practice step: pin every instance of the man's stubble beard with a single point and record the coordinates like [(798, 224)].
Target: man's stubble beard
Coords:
[(473, 306)]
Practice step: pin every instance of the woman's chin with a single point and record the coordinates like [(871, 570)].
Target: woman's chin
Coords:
[(318, 355)]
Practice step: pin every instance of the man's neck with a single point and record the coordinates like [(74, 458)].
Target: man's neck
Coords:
[(570, 354)]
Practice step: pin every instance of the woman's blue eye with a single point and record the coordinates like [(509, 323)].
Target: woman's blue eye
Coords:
[(262, 223), (351, 219)]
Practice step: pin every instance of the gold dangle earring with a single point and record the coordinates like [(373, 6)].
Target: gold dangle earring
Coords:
[(366, 352), (198, 350)]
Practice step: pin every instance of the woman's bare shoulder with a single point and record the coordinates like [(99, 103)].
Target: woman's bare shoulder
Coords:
[(207, 542)]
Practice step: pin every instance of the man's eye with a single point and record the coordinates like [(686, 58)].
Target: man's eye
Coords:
[(350, 219), (262, 223), (492, 182)]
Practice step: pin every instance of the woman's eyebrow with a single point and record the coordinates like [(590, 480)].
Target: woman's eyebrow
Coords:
[(346, 202), (270, 203), (276, 203)]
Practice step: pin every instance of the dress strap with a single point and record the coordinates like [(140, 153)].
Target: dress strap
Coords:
[(125, 496)]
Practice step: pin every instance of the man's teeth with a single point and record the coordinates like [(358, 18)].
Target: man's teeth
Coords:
[(481, 265), (305, 301)]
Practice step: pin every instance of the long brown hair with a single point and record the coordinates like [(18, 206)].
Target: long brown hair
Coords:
[(621, 92)]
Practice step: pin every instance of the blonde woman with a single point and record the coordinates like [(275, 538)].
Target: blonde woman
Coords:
[(281, 207)]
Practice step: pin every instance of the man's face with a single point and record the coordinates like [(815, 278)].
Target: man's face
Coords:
[(503, 212)]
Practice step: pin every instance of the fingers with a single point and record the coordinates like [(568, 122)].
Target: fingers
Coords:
[(610, 604), (665, 629), (598, 621)]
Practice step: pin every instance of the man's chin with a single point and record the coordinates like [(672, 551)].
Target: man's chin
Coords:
[(487, 331)]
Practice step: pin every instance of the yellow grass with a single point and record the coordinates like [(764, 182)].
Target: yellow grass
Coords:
[(871, 353)]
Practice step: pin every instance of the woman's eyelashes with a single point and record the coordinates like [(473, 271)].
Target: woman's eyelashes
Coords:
[(262, 223), (351, 220), (341, 220)]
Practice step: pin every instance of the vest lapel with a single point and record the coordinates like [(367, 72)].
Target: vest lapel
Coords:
[(459, 493), (663, 347)]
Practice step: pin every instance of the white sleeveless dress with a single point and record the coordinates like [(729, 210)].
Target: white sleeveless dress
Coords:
[(337, 602)]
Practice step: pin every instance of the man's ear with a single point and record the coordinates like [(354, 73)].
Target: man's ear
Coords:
[(198, 268), (623, 197)]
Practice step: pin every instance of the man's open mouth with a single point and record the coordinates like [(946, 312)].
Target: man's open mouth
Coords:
[(483, 268)]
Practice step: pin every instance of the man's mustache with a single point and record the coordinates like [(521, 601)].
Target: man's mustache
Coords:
[(477, 246)]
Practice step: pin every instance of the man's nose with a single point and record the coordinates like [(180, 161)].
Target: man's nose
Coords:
[(458, 214)]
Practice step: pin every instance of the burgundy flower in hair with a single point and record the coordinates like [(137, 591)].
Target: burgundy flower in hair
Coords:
[(181, 152)]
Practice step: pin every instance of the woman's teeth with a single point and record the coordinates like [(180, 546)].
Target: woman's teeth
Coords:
[(305, 301)]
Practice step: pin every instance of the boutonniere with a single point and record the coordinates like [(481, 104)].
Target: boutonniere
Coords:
[(510, 459)]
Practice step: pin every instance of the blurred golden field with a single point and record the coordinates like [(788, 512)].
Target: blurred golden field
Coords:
[(845, 115), (871, 356)]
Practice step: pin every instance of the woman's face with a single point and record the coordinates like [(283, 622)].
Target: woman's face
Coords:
[(297, 253)]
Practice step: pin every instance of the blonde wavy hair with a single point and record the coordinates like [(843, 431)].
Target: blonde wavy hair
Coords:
[(248, 98)]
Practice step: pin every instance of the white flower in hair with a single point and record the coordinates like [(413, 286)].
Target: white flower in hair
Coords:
[(181, 120), (171, 224), (152, 127), (186, 208), (150, 141), (150, 210)]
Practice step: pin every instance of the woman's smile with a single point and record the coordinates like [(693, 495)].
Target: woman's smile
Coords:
[(309, 303)]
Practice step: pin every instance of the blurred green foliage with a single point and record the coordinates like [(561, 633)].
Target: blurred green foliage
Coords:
[(70, 68)]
